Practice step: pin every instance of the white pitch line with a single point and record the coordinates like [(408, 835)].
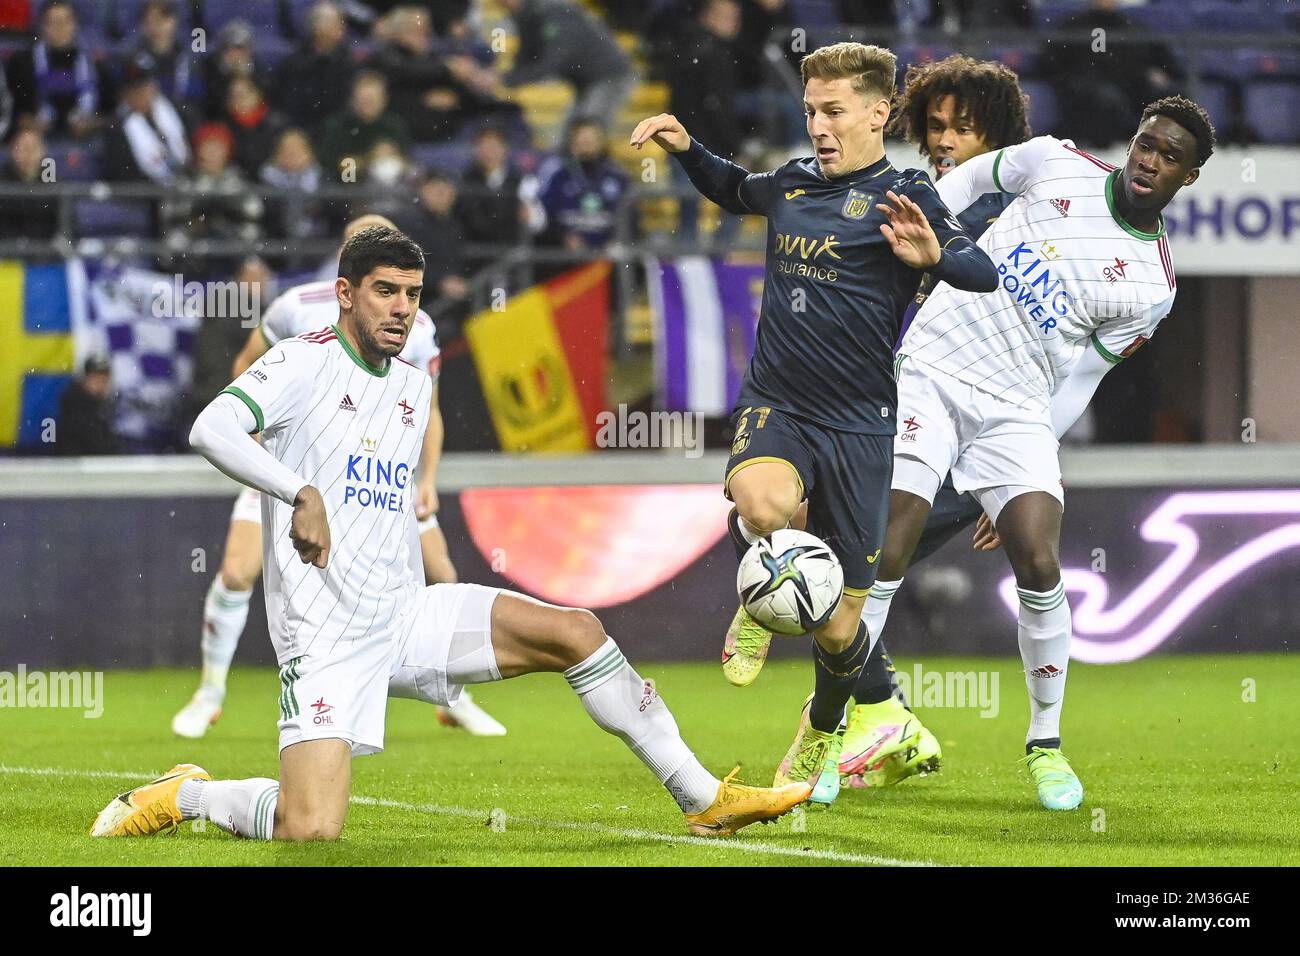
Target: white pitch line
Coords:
[(743, 846)]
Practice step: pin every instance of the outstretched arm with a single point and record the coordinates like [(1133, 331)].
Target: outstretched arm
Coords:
[(1010, 170), (926, 236), (721, 181)]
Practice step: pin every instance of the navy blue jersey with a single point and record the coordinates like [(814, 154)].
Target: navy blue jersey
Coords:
[(834, 291), (975, 218)]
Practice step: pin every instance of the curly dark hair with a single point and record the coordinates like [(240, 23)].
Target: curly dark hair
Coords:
[(1191, 117), (986, 91)]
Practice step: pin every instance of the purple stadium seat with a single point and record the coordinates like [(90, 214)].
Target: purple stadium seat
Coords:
[(1216, 99), (1272, 109), (1050, 13), (1044, 115), (113, 219), (1258, 64), (812, 14), (263, 14), (1217, 16), (1023, 60), (75, 161)]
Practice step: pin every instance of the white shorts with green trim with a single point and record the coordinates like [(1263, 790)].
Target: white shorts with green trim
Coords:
[(248, 507), (984, 441), (442, 641)]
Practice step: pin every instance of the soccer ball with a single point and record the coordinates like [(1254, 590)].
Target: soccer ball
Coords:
[(790, 582)]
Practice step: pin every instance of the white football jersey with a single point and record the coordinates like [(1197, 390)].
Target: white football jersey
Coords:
[(1072, 275), (355, 434), (313, 305)]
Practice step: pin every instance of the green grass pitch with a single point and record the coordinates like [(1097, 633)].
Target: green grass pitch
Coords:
[(1178, 769)]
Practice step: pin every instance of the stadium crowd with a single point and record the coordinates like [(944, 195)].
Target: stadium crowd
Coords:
[(211, 97)]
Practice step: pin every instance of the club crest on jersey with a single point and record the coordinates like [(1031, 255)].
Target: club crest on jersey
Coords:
[(1116, 272), (1062, 206), (1047, 251), (408, 413), (347, 405), (368, 445), (911, 427), (857, 204)]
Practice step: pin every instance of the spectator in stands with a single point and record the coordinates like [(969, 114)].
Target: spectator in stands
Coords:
[(173, 65), (256, 126), (219, 340), (559, 41), (704, 76), (497, 202), (35, 216), (233, 57), (1114, 82), (434, 94), (57, 83), (293, 170), (581, 191), (318, 75), (221, 207), (147, 138), (353, 132), (434, 225), (85, 423), (392, 179)]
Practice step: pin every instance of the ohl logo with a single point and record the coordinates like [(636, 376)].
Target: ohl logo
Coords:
[(912, 426), (322, 713), (408, 413)]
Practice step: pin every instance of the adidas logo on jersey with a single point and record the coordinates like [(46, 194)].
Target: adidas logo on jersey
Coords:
[(347, 405), (1062, 206)]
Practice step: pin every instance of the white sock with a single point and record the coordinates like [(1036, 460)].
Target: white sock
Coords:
[(625, 705), (245, 808), (225, 612), (1045, 649), (876, 609)]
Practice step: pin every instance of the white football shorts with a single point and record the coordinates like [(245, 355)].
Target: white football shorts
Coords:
[(984, 441), (248, 507), (442, 641)]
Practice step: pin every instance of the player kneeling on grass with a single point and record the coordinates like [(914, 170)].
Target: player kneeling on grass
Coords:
[(350, 621)]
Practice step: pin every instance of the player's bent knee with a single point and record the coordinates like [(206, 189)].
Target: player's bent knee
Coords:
[(768, 511), (581, 634), (1040, 571)]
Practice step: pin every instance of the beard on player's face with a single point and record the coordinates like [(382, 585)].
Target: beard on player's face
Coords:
[(383, 309)]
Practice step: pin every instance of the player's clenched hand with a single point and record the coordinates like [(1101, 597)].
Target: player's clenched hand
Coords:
[(426, 499), (309, 530), (986, 536), (664, 130), (909, 232)]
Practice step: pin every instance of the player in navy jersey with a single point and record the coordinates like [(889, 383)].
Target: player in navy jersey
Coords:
[(849, 237)]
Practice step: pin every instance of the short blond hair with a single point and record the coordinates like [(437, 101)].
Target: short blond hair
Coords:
[(873, 69)]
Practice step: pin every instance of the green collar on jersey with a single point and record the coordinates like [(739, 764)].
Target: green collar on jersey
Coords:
[(1110, 204), (347, 347)]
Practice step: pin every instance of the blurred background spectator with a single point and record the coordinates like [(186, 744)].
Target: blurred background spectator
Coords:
[(159, 48), (146, 140), (256, 126), (433, 223), (580, 190), (57, 83), (498, 204), (317, 76), (354, 131), (232, 58), (85, 422), (34, 216), (220, 205), (559, 41), (1115, 78), (293, 170)]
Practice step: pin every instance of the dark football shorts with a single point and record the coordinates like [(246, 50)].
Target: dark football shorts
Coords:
[(843, 475), (952, 512)]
